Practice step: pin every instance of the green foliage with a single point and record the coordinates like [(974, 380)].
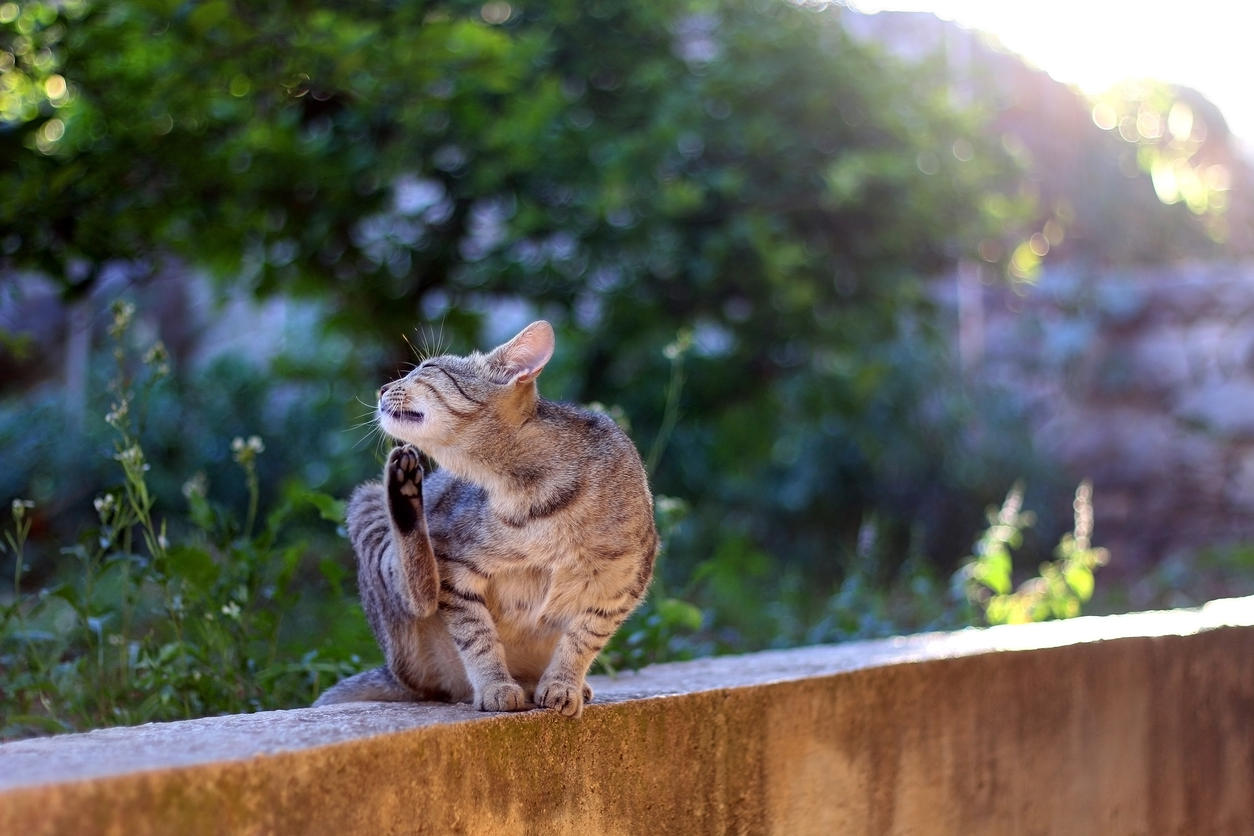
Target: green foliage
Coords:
[(747, 173), (150, 629), (1062, 586)]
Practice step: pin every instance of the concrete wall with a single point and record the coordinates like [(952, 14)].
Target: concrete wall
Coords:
[(1129, 724)]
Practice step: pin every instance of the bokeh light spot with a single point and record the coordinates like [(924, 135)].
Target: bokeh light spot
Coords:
[(1104, 116), (1149, 124), (496, 12), (48, 135), (55, 87), (1180, 121), (1039, 245), (990, 250)]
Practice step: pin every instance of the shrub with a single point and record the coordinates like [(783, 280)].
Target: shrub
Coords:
[(148, 629)]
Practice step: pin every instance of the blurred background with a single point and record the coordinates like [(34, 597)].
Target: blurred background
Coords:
[(922, 315)]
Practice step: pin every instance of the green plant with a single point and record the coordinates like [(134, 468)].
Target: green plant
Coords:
[(150, 629), (1062, 586)]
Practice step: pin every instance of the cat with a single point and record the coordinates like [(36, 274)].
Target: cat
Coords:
[(498, 577)]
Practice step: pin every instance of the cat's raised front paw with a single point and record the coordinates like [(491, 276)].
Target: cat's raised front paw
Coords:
[(404, 487), (501, 696), (563, 697)]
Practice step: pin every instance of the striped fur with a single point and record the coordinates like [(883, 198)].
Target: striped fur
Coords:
[(499, 577)]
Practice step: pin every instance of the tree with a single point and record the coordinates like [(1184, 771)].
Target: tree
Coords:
[(741, 169)]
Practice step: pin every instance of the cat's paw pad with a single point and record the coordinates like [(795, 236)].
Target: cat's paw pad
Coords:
[(501, 696), (405, 471), (404, 487), (563, 697)]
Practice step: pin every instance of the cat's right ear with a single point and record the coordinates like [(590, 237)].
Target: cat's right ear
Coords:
[(524, 357)]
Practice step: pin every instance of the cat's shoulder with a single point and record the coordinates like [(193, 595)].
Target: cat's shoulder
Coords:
[(589, 424), (557, 411)]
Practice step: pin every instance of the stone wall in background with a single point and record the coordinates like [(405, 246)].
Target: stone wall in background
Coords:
[(1141, 380)]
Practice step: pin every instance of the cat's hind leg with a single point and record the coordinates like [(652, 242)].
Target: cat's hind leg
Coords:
[(396, 569), (417, 586)]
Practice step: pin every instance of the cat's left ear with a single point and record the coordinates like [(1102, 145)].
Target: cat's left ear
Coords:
[(525, 355)]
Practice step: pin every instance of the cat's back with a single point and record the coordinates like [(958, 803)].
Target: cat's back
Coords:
[(588, 438), (598, 462)]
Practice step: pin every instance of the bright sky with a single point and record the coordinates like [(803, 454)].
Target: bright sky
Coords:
[(1093, 44)]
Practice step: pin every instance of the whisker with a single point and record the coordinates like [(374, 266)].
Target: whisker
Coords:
[(381, 446), (416, 352), (433, 341), (442, 341), (376, 433)]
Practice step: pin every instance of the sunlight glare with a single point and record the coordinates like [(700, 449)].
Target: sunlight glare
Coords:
[(1180, 121), (1096, 45)]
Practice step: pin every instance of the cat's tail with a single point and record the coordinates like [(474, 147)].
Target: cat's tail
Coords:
[(377, 684)]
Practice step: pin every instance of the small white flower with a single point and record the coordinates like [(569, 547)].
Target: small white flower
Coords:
[(123, 313), (131, 457), (245, 452), (104, 506), (117, 413), (158, 357), (198, 486)]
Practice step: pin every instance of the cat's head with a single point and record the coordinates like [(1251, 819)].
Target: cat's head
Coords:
[(448, 403)]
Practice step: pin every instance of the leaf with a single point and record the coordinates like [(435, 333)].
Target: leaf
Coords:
[(194, 565), (208, 15), (329, 508), (678, 614), (1080, 580), (335, 573)]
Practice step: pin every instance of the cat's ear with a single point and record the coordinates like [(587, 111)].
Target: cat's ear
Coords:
[(523, 357)]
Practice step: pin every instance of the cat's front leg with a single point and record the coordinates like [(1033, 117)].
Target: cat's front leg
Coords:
[(563, 686), (470, 625)]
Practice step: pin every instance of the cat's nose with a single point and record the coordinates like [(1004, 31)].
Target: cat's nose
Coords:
[(383, 389)]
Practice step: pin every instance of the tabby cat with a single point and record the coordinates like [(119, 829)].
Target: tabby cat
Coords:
[(498, 577)]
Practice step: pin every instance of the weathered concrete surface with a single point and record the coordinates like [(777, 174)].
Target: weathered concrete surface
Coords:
[(1130, 724)]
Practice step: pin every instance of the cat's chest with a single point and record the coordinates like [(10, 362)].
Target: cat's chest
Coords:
[(541, 596), (545, 543), (524, 598)]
